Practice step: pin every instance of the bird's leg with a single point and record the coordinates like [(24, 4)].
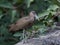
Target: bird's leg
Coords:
[(24, 36)]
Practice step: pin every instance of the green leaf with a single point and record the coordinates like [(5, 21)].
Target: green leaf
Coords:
[(28, 2), (1, 16), (13, 15), (46, 12), (55, 2), (6, 5), (52, 7), (18, 34), (18, 1), (42, 29)]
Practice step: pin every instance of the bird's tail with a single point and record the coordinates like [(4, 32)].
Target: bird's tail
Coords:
[(11, 27)]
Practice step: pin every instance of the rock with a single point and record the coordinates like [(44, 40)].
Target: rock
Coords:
[(48, 39)]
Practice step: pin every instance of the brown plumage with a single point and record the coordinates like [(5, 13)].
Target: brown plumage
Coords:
[(23, 22)]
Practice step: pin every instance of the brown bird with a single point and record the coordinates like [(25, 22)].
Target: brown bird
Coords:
[(23, 22)]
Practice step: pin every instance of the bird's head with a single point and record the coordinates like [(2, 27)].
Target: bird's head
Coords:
[(34, 15)]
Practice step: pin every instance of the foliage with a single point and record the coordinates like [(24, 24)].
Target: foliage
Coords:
[(11, 10)]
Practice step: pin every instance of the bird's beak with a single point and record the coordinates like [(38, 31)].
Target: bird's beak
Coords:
[(36, 17)]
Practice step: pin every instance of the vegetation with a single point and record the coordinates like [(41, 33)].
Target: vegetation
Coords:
[(12, 10)]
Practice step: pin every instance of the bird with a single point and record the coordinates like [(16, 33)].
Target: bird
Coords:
[(23, 22)]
